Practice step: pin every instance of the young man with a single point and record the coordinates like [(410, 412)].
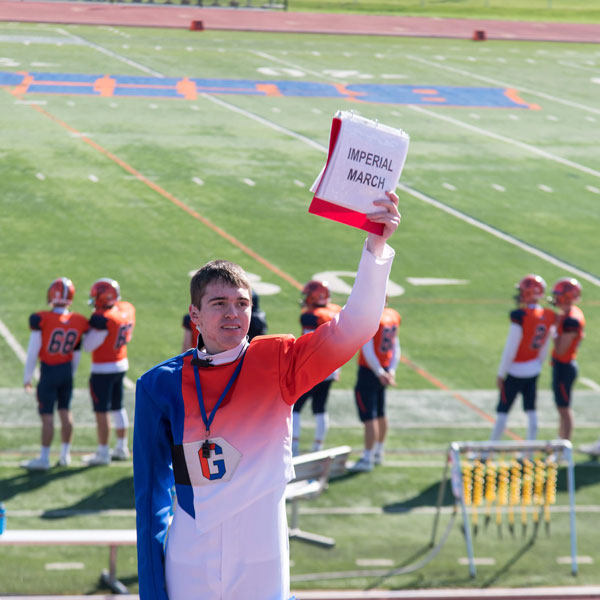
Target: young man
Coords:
[(570, 331), (377, 362), (258, 326), (55, 338), (524, 354), (216, 422), (316, 310), (111, 328)]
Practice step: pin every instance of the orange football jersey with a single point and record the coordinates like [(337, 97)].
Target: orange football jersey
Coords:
[(119, 321), (536, 323), (61, 334), (385, 338), (569, 322), (311, 318)]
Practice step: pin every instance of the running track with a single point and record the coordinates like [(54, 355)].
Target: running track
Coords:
[(90, 13)]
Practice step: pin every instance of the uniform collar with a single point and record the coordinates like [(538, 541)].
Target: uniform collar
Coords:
[(223, 358)]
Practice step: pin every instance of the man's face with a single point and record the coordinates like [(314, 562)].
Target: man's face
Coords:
[(224, 316)]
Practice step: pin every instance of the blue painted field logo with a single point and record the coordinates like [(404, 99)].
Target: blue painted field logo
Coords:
[(189, 88)]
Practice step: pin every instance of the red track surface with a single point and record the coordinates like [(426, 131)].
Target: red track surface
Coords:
[(279, 21)]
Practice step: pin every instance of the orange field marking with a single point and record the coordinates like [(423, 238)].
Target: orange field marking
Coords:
[(269, 89), (187, 89), (105, 86), (165, 194)]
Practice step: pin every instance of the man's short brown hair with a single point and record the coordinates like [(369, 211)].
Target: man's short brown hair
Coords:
[(218, 270)]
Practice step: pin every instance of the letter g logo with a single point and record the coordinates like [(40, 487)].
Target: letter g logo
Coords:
[(213, 468)]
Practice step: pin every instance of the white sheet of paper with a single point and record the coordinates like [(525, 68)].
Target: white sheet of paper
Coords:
[(366, 162)]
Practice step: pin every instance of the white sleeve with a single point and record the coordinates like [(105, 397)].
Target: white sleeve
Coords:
[(75, 362), (544, 349), (395, 357), (33, 350), (93, 338), (515, 333), (369, 355), (359, 319)]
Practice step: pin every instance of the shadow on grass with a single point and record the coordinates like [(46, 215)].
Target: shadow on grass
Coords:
[(426, 497), (117, 495), (586, 473), (505, 568), (111, 495), (29, 481), (413, 557), (101, 587)]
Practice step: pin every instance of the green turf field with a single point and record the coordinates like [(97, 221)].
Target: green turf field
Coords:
[(585, 11), (90, 187)]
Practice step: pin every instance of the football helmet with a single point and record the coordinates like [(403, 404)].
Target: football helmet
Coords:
[(315, 293), (61, 292), (104, 293), (566, 291), (530, 289)]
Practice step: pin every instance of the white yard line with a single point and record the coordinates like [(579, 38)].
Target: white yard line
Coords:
[(12, 342), (502, 138), (287, 63), (110, 53), (265, 122), (501, 235), (517, 86)]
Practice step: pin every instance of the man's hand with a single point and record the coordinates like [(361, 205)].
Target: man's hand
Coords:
[(28, 387), (389, 216), (500, 383), (387, 378)]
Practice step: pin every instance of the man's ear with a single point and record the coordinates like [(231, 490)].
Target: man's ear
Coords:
[(194, 313)]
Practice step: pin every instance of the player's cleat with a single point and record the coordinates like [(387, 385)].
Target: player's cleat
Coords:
[(64, 461), (36, 464), (378, 458), (93, 460), (120, 454), (362, 466)]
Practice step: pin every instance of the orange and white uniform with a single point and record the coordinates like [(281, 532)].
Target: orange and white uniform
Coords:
[(527, 342), (311, 318), (55, 337), (572, 321), (382, 353), (111, 331), (228, 539)]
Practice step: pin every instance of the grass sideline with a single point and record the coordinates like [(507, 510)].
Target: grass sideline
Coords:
[(64, 222)]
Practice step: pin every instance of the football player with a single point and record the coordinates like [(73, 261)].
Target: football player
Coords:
[(377, 362), (316, 310), (111, 328), (190, 334), (569, 333), (55, 338), (216, 421), (526, 347)]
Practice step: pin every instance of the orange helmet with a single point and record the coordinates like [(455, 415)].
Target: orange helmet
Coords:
[(61, 292), (104, 293), (566, 291), (530, 289), (315, 293)]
